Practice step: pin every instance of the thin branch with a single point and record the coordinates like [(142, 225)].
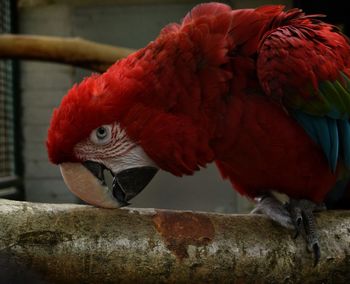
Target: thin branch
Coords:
[(82, 244), (38, 3), (75, 51)]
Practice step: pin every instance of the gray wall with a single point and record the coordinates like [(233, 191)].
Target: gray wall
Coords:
[(44, 84)]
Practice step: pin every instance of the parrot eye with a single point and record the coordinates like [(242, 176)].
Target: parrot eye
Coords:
[(101, 135)]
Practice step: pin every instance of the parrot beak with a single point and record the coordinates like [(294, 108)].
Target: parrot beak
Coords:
[(87, 181), (130, 182)]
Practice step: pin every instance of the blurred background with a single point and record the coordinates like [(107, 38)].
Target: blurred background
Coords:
[(30, 90)]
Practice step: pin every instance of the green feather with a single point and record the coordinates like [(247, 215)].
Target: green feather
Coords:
[(332, 99)]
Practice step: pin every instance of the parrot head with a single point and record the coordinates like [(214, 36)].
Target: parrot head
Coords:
[(86, 138), (161, 107)]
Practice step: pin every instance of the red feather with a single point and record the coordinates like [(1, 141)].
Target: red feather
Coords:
[(193, 96)]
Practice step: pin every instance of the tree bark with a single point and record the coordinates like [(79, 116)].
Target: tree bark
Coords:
[(75, 51), (51, 243)]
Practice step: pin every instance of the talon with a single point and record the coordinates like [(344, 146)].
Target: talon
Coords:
[(298, 226), (296, 233), (297, 214), (317, 253), (303, 220)]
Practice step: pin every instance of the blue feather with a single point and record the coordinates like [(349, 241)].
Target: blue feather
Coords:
[(334, 140), (324, 132), (344, 129), (323, 136), (307, 124)]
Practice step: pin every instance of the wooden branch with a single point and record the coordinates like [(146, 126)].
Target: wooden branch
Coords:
[(75, 51), (36, 3), (81, 244)]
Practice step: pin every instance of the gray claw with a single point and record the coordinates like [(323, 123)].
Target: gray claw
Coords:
[(317, 253), (303, 219)]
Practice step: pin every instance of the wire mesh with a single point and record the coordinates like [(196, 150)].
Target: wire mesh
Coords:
[(7, 155)]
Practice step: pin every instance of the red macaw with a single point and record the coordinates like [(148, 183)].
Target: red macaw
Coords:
[(264, 93)]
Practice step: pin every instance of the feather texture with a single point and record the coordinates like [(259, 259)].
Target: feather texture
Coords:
[(263, 92)]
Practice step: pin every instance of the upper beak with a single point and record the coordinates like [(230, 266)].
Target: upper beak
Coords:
[(87, 181)]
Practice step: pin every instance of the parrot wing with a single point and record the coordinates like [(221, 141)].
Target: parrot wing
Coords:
[(305, 66)]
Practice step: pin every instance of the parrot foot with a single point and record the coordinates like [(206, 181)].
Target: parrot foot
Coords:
[(301, 212), (274, 209)]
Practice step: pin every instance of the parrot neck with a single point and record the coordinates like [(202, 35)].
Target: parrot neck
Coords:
[(179, 102)]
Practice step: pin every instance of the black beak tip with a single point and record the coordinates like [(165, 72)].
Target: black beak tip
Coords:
[(130, 182)]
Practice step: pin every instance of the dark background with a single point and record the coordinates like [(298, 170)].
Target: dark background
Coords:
[(336, 11)]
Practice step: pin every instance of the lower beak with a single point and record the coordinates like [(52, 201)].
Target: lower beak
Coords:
[(87, 182)]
